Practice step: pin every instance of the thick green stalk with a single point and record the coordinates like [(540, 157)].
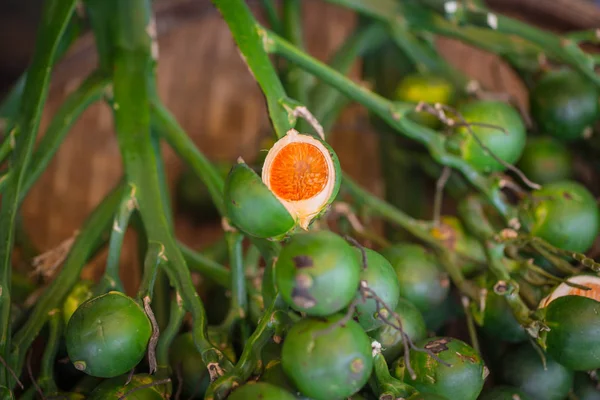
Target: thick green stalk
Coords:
[(55, 18), (245, 31), (91, 232), (132, 74), (99, 13), (55, 325), (208, 268), (393, 113)]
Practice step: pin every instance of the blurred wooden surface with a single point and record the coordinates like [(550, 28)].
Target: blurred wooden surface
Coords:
[(205, 83)]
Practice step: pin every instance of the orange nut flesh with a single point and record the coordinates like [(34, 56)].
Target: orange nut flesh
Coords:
[(298, 172)]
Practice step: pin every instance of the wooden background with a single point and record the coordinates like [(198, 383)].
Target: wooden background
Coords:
[(204, 82)]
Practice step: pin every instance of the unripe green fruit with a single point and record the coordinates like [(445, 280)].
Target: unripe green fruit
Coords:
[(107, 335), (325, 359), (463, 379), (565, 214), (506, 143), (318, 273), (564, 104), (380, 277), (522, 367)]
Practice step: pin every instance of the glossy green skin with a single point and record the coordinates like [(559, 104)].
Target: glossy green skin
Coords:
[(563, 104), (81, 292), (414, 88), (504, 393), (565, 214), (184, 355), (498, 320), (522, 367), (584, 388), (421, 280), (262, 391), (462, 380), (327, 365), (391, 339), (381, 278), (107, 335), (506, 146), (318, 273), (115, 388), (574, 336), (252, 207), (546, 160)]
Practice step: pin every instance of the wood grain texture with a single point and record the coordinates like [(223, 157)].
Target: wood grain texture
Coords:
[(207, 86)]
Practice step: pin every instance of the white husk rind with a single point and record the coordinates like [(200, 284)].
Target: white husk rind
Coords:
[(563, 289), (303, 210)]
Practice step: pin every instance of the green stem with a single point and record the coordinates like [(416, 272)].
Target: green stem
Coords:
[(176, 315), (205, 266), (522, 55), (54, 21), (327, 101), (471, 325), (99, 13), (425, 58), (559, 48), (46, 378), (6, 148), (111, 279), (239, 296), (297, 84), (384, 385), (394, 114), (132, 74), (191, 155), (247, 34), (252, 260), (274, 322), (474, 217), (155, 256), (419, 229), (272, 15), (90, 234), (90, 91), (178, 139)]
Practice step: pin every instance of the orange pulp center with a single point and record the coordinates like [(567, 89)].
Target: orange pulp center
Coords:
[(298, 172), (593, 293)]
